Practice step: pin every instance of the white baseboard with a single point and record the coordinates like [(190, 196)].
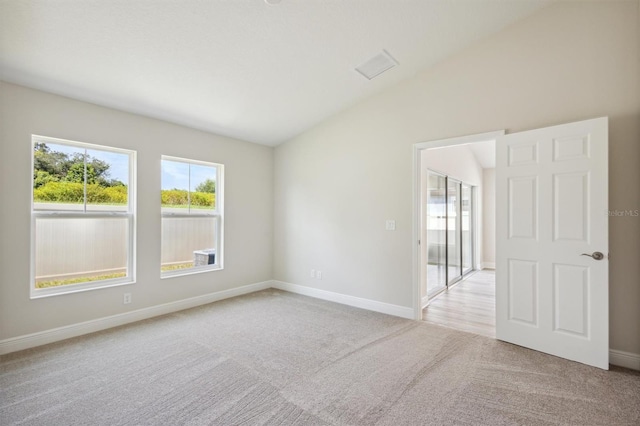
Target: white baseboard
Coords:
[(488, 265), (616, 357), (624, 359), (61, 333), (371, 305)]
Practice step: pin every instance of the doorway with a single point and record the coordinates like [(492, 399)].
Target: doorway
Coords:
[(450, 229), (551, 238), (455, 289)]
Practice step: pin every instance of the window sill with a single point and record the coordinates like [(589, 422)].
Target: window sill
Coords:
[(78, 288), (190, 271)]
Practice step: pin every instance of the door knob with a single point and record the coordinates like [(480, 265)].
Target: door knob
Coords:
[(596, 255)]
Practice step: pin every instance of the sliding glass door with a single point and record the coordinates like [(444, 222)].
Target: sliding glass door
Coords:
[(449, 233), (466, 204), (436, 222), (454, 232)]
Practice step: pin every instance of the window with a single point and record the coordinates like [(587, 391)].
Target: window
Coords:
[(192, 216), (82, 217)]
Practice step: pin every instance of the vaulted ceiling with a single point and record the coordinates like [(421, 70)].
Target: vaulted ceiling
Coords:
[(244, 68)]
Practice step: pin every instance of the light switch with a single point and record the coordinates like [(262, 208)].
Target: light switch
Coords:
[(391, 225)]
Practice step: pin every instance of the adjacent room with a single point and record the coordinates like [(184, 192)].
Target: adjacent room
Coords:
[(457, 225), (319, 212)]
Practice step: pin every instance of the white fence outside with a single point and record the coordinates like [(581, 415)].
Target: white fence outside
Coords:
[(68, 247), (182, 236)]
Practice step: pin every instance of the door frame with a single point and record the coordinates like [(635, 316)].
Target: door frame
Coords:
[(417, 196), (473, 228)]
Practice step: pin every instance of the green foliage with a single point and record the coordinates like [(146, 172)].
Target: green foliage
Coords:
[(100, 171), (57, 166), (59, 192), (73, 192), (117, 194), (76, 173), (175, 267), (56, 283), (208, 186), (54, 163), (174, 197), (60, 178), (180, 198), (202, 199), (41, 178), (96, 194)]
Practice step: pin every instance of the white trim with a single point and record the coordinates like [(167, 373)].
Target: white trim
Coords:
[(358, 302), (164, 275), (189, 161), (83, 273), (425, 302), (415, 233), (488, 265), (77, 144), (14, 344), (461, 140), (61, 333), (130, 215), (415, 247), (217, 215), (624, 359), (79, 288)]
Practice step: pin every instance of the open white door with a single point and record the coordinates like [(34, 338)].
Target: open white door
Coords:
[(552, 269)]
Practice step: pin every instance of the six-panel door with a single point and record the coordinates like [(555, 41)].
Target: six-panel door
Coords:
[(551, 208)]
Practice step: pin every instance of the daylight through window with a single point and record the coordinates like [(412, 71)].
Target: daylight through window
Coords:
[(82, 216), (191, 216)]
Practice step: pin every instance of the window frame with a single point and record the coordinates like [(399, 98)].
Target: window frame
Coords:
[(217, 214), (129, 215)]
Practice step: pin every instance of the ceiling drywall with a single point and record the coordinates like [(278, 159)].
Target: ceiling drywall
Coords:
[(243, 68)]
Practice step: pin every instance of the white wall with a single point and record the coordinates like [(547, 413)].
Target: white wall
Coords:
[(457, 161), (489, 218), (248, 207), (336, 184)]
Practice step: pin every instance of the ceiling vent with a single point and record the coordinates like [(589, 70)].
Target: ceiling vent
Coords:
[(377, 65)]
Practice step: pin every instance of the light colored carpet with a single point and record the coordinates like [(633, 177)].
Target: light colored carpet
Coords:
[(277, 358)]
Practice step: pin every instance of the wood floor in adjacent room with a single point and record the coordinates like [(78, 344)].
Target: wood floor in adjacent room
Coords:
[(469, 305)]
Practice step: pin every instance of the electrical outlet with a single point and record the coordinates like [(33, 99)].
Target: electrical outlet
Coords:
[(127, 298), (313, 273), (319, 275), (390, 225)]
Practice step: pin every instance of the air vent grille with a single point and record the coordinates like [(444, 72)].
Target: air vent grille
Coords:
[(377, 65)]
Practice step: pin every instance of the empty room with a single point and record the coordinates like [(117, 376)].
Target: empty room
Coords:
[(323, 212)]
